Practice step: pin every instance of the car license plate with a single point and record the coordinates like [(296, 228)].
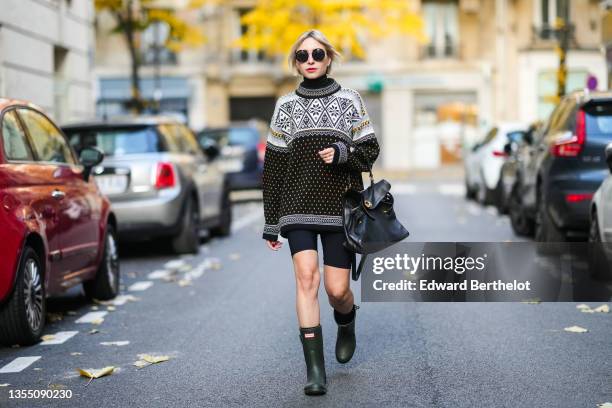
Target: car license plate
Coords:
[(114, 184), (231, 165)]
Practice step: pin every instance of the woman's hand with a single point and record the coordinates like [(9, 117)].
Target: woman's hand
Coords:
[(327, 155), (274, 245)]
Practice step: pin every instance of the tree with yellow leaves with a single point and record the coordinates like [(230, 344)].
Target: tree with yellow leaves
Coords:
[(134, 16), (273, 25)]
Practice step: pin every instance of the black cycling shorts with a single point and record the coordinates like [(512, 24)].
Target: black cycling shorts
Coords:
[(334, 253)]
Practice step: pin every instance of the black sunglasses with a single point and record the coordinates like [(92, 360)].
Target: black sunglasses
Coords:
[(318, 54)]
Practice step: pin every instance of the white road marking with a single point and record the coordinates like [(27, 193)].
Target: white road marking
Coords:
[(115, 343), (247, 220), (18, 364), (91, 317), (403, 188), (159, 274), (174, 265), (455, 189), (60, 338), (140, 286), (121, 300)]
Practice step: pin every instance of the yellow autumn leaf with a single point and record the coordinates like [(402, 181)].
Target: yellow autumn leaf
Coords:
[(602, 309), (153, 359), (92, 373), (575, 329), (47, 337)]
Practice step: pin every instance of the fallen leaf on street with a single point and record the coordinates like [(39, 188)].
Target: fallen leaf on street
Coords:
[(605, 405), (111, 308), (148, 359), (37, 369), (587, 309), (57, 386), (94, 331), (235, 256), (115, 343), (47, 337), (97, 321), (54, 317), (575, 329), (94, 308), (185, 282), (92, 373), (76, 353), (5, 385)]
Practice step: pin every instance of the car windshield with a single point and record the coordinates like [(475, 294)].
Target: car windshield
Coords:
[(116, 141), (232, 136)]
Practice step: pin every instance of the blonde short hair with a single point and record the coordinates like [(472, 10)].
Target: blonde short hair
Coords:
[(320, 37)]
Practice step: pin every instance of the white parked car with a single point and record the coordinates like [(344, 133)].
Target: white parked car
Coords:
[(483, 163), (601, 206)]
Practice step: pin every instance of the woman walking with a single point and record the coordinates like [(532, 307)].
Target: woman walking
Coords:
[(319, 142)]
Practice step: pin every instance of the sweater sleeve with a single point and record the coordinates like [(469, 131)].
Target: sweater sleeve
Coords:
[(365, 147), (275, 163)]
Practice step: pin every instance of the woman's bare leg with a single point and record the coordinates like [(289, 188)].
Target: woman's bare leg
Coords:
[(307, 279), (337, 286)]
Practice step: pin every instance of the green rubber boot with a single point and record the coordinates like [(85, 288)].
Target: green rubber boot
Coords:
[(345, 342), (312, 343)]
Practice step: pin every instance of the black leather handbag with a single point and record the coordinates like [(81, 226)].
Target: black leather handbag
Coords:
[(370, 224)]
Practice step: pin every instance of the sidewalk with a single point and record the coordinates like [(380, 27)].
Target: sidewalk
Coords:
[(448, 172)]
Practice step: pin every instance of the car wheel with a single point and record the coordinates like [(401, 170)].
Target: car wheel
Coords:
[(105, 285), (545, 229), (521, 224), (599, 265), (187, 240), (499, 199), (470, 194), (23, 316), (225, 222)]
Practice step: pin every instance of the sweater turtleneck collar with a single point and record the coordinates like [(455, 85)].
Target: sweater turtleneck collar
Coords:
[(317, 87)]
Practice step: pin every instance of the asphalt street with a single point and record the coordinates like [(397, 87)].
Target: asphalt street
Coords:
[(226, 320)]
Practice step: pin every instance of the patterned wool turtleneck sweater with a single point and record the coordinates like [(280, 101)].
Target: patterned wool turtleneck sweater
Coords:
[(300, 190)]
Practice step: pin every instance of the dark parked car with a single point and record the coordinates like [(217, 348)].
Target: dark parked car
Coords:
[(564, 165), (509, 169), (242, 153), (159, 181), (57, 229)]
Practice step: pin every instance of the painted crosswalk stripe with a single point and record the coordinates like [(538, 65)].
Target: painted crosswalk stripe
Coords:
[(18, 364), (59, 337), (140, 286), (91, 317)]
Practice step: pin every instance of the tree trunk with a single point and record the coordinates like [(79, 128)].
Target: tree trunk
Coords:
[(135, 103)]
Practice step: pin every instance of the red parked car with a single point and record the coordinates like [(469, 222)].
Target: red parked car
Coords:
[(56, 228)]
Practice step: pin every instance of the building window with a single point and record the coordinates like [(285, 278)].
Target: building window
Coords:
[(240, 30), (546, 13), (442, 28)]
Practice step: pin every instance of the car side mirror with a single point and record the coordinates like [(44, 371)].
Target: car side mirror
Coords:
[(210, 148), (90, 157), (508, 149), (609, 156)]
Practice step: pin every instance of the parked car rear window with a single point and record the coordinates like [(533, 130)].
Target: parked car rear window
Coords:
[(117, 142), (232, 136), (599, 119)]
